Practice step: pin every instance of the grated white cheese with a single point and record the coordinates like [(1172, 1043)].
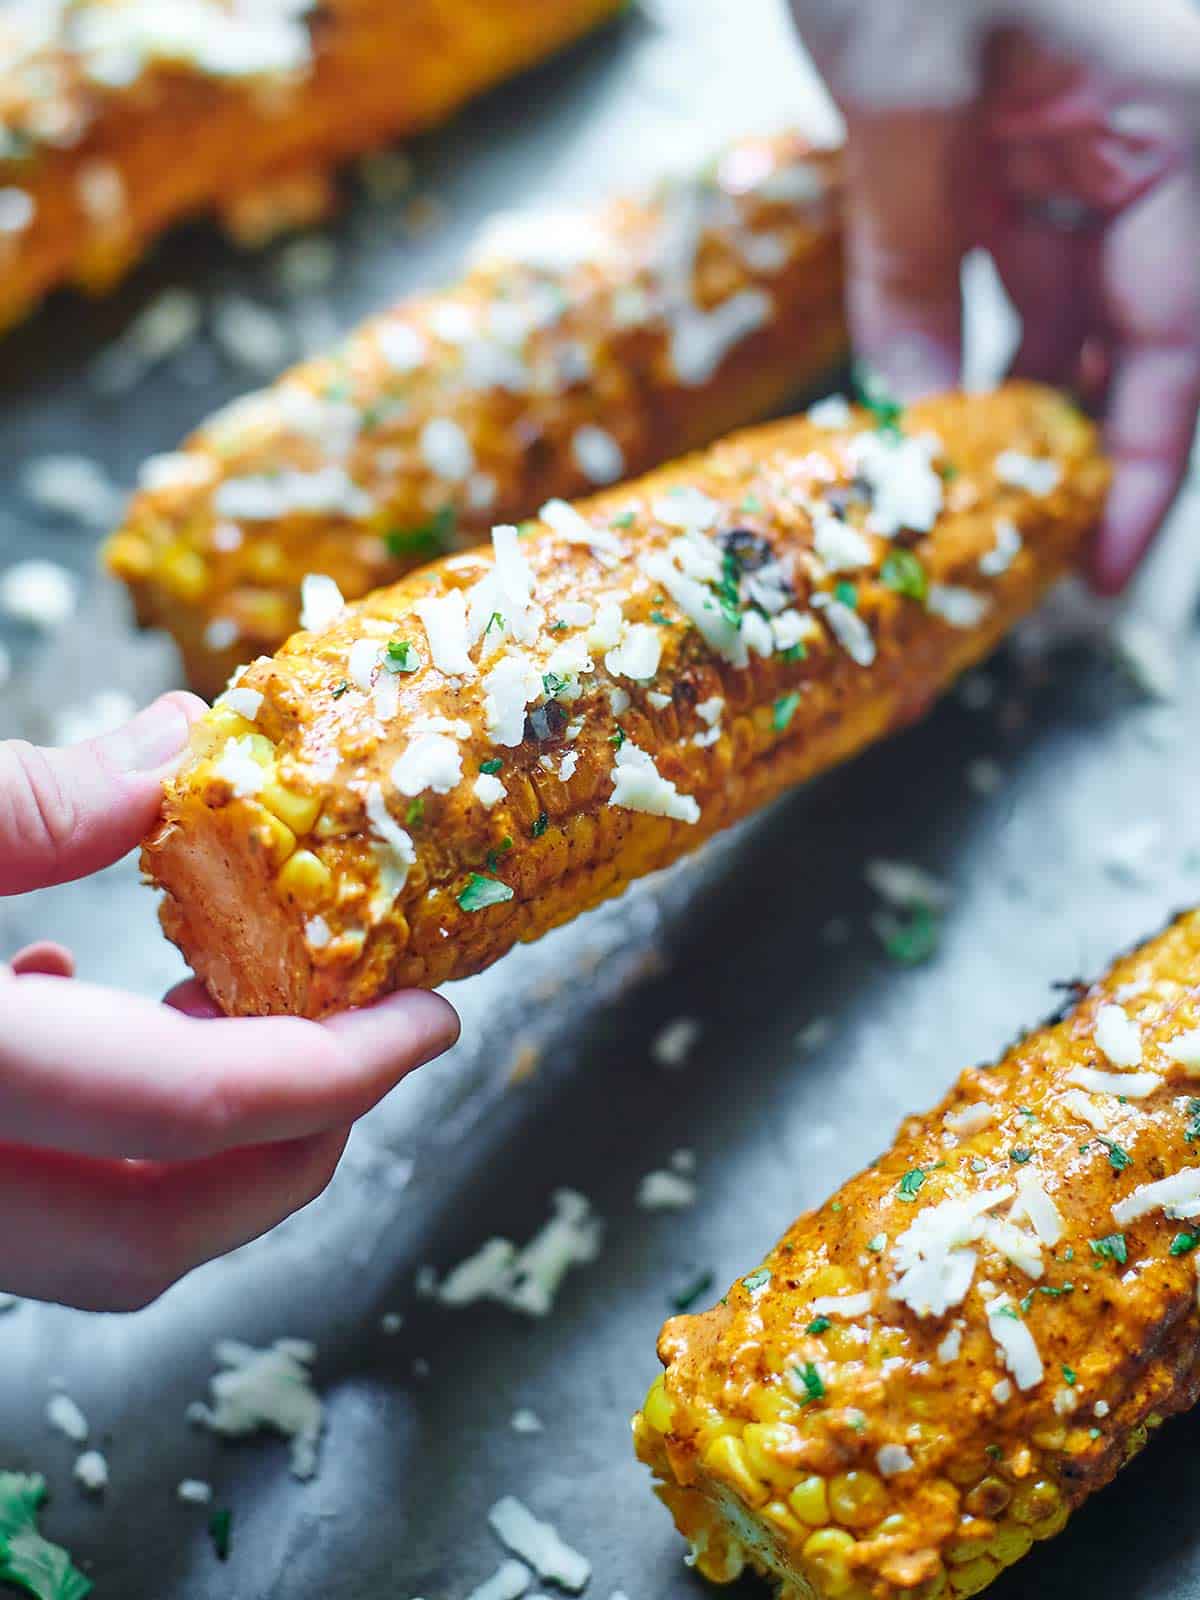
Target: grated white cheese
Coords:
[(1118, 1036), (266, 1389), (934, 1267), (1132, 1085), (91, 1471), (893, 1458), (66, 1418), (1015, 1245), (447, 450), (688, 508), (700, 340), (245, 702), (638, 654), (832, 412), (1179, 1190), (1002, 1392), (1016, 1344), (792, 627), (431, 761), (268, 497), (1040, 476), (250, 335), (362, 660), (849, 629), (575, 528), (194, 1492), (597, 454), (696, 602), (673, 1043), (509, 1581), (38, 592), (527, 1280), (950, 1347), (1086, 1110), (971, 1119), (665, 1191), (399, 851), (72, 486), (506, 592), (961, 608), (1185, 1049), (239, 769), (1037, 1205), (525, 1421), (905, 885), (445, 622), (639, 786), (539, 1545), (17, 211), (842, 1305), (567, 766), (839, 547), (512, 684), (400, 345), (488, 790), (906, 491), (177, 470), (317, 933), (996, 561)]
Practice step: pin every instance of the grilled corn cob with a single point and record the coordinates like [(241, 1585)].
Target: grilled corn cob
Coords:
[(582, 348), (117, 117), (936, 1367), (503, 739)]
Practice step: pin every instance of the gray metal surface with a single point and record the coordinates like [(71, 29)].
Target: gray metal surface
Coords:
[(1090, 840)]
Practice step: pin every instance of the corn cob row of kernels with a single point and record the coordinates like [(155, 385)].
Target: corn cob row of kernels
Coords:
[(582, 348), (118, 117), (504, 739), (933, 1369)]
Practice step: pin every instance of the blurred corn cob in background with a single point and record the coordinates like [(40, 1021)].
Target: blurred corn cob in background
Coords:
[(507, 737), (582, 348), (119, 117), (933, 1369)]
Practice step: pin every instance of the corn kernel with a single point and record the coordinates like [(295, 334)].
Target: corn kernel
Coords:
[(1047, 1527), (988, 1498), (212, 731), (765, 1443), (1010, 1543), (1035, 1501), (933, 1588), (129, 556), (299, 811), (777, 1514), (658, 1410), (827, 1550), (305, 878), (183, 572), (857, 1499), (725, 1458), (973, 1577), (810, 1501), (275, 838), (265, 562)]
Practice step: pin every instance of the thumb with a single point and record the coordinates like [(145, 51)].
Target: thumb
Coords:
[(1154, 47), (66, 813)]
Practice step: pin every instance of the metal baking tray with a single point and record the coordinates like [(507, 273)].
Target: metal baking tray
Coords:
[(1054, 799)]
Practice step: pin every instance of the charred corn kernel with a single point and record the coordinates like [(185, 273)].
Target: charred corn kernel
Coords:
[(657, 1409), (810, 1501), (857, 1499), (780, 1518), (274, 838), (946, 1514), (725, 1458), (184, 574), (457, 893), (214, 731), (130, 557), (299, 811), (642, 406), (306, 878), (826, 1554), (77, 150)]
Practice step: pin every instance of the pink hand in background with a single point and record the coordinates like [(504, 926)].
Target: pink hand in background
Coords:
[(142, 1139), (1058, 135)]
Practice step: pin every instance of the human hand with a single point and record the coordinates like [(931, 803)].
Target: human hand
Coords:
[(142, 1139), (1059, 135)]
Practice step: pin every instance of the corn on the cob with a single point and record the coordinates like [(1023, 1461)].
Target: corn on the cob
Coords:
[(582, 348), (504, 739), (936, 1367), (117, 117)]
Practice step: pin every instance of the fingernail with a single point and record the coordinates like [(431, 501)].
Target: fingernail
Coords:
[(154, 737), (404, 1030)]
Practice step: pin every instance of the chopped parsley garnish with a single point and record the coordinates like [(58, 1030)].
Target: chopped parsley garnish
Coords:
[(1056, 1288), (785, 710), (1111, 1248), (1027, 1304), (910, 1184), (481, 892), (811, 1379), (1007, 1311), (663, 621), (491, 766), (1118, 1159), (903, 572), (1070, 1375), (846, 594), (757, 1279), (994, 1451), (876, 1243), (429, 538), (342, 688), (753, 505), (795, 652), (818, 1325), (1184, 1243), (401, 656), (1020, 1156), (625, 520), (558, 627), (27, 1560), (220, 1531), (617, 737), (502, 849), (553, 683), (948, 471), (872, 394), (494, 621), (540, 825), (1193, 1129), (414, 816), (729, 596), (684, 1299), (910, 942)]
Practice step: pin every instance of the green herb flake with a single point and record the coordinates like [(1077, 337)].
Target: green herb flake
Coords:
[(693, 1290), (662, 620), (414, 816), (818, 1325), (1070, 1375), (753, 505), (1020, 1155), (401, 656), (903, 572), (909, 942), (502, 849), (876, 1243), (1118, 1159), (910, 1184), (553, 683), (757, 1279), (617, 736), (785, 710), (220, 1531), (558, 627), (1184, 1243), (481, 892), (494, 621), (1093, 1433), (541, 823), (625, 520), (994, 1451), (1007, 1311), (795, 652), (1027, 1304), (1111, 1248), (873, 395), (428, 539), (1053, 1289), (729, 595), (846, 594), (811, 1379), (491, 766), (28, 1561), (1192, 1132), (342, 688)]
